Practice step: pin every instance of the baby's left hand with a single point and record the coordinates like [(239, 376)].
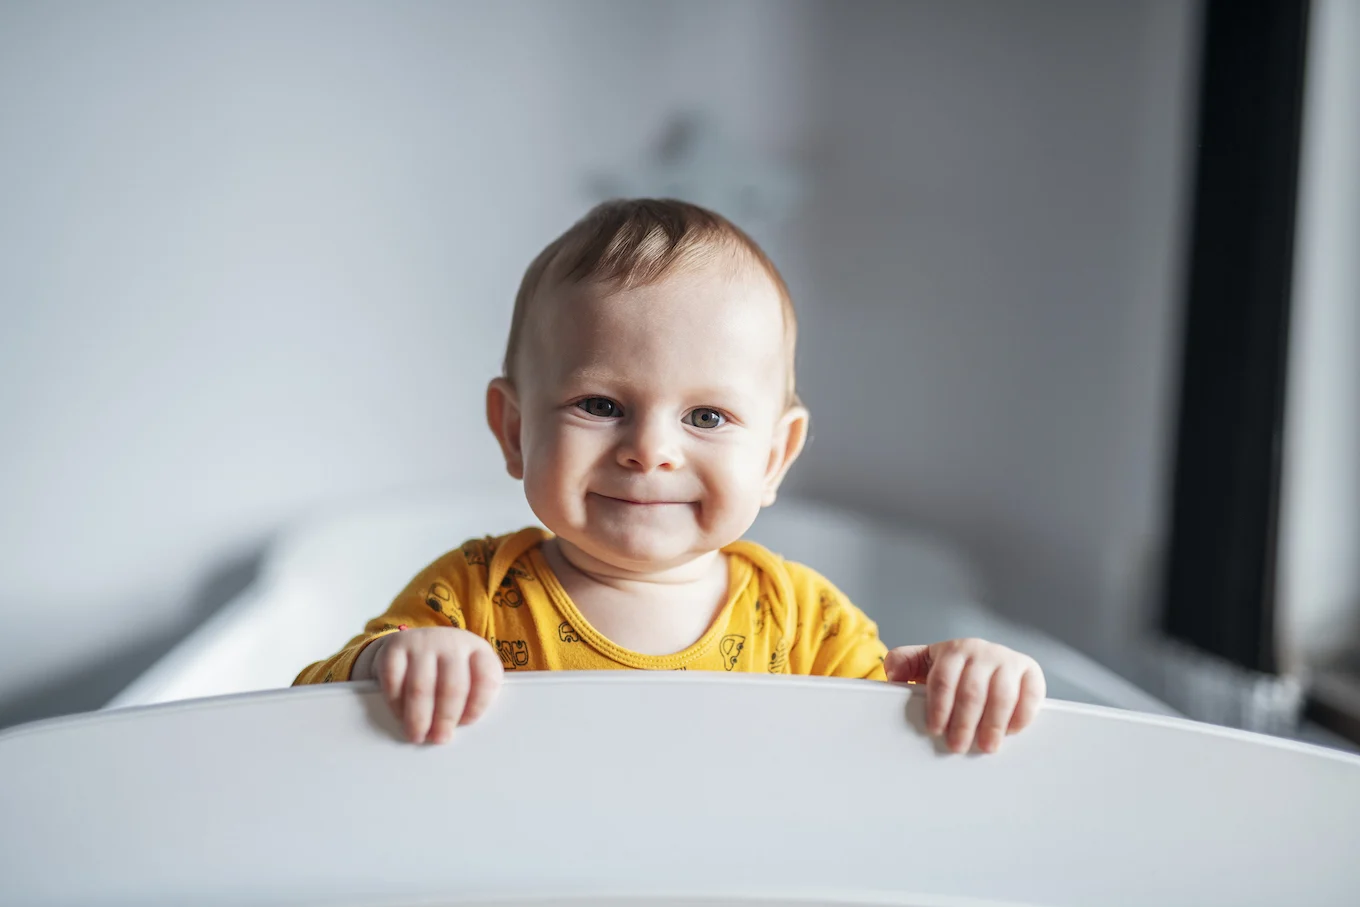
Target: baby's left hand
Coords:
[(973, 688)]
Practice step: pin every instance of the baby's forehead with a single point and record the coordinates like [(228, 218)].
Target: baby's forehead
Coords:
[(702, 321), (721, 303)]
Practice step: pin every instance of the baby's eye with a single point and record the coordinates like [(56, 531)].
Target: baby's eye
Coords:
[(705, 418), (602, 407)]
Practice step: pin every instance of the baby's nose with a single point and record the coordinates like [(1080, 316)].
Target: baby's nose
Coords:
[(651, 444)]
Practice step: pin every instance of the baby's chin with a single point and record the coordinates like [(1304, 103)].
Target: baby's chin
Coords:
[(634, 550), (640, 552), (631, 540)]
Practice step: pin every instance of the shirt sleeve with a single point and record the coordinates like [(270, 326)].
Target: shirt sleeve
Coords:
[(441, 595), (833, 638)]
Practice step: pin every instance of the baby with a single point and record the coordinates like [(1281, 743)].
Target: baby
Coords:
[(648, 405)]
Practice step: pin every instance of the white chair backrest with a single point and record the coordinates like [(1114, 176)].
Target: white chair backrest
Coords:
[(643, 786)]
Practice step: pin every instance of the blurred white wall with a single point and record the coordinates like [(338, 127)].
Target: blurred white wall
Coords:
[(259, 257), (995, 249)]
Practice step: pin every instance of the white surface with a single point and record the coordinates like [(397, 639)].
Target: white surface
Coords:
[(324, 580), (657, 783)]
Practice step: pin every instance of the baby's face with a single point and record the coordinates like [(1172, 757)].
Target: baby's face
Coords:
[(653, 423)]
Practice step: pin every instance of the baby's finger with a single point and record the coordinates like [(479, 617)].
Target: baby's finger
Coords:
[(996, 717), (487, 674), (451, 690), (1033, 689), (969, 701), (419, 696), (940, 690), (391, 670)]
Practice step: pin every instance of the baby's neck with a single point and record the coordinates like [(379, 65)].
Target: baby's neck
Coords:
[(698, 570), (653, 612)]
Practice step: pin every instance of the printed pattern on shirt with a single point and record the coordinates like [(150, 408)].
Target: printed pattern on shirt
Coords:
[(440, 599), (514, 653), (731, 647), (477, 552), (831, 615), (509, 595), (779, 658)]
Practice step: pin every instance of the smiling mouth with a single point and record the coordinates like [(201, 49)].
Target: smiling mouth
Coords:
[(637, 503)]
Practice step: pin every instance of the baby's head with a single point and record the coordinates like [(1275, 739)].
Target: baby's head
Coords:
[(648, 399)]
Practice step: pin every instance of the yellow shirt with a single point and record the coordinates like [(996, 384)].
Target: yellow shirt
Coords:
[(779, 618)]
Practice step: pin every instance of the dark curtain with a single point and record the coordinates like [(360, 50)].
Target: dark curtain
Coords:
[(1220, 580)]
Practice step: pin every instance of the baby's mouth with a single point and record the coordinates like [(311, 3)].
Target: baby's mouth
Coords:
[(641, 501)]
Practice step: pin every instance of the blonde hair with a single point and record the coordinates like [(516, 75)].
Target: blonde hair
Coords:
[(629, 243)]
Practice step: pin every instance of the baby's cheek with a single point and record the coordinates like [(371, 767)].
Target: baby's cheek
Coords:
[(546, 449), (560, 470), (542, 501), (543, 478), (736, 486)]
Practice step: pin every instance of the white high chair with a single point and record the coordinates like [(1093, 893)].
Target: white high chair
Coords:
[(675, 789)]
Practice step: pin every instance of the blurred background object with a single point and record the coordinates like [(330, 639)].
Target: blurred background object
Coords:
[(258, 261)]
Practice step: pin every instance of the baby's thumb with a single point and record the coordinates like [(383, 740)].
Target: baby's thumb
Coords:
[(908, 664)]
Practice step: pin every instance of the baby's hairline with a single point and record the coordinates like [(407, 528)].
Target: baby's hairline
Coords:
[(630, 243)]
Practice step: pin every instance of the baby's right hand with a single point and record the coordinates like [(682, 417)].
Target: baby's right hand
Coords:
[(435, 678)]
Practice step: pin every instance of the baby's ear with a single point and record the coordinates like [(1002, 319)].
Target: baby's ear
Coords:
[(790, 434), (502, 415)]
